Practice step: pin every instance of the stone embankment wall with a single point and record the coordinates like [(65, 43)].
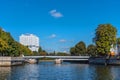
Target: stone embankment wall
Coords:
[(5, 61), (9, 61)]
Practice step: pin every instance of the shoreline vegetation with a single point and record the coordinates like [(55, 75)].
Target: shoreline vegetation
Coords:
[(105, 43), (10, 47)]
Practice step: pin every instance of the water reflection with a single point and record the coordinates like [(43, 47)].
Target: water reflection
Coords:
[(115, 71), (26, 72), (103, 73), (5, 73), (64, 71)]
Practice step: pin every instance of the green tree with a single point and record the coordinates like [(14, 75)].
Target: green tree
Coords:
[(24, 50), (61, 54), (43, 53), (72, 51), (14, 48), (3, 47), (80, 48), (39, 50), (91, 50), (105, 36), (35, 53)]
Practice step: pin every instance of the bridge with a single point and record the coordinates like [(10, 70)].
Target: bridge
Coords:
[(62, 58), (57, 57), (8, 61)]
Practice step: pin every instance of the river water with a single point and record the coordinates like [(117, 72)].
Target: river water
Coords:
[(64, 71)]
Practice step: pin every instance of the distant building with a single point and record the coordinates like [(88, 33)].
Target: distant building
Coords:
[(30, 40)]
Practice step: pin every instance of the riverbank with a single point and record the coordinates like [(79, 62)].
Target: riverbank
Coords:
[(11, 61), (104, 61)]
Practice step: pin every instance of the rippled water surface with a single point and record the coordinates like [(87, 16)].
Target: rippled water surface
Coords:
[(64, 71)]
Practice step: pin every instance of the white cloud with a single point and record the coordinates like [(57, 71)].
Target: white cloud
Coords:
[(62, 40), (55, 14), (52, 36)]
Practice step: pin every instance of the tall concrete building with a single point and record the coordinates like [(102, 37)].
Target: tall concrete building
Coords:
[(30, 40)]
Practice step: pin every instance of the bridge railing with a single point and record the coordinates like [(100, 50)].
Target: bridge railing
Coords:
[(17, 59), (63, 57)]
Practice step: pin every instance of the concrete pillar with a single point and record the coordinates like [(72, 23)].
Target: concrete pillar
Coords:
[(58, 61), (32, 61)]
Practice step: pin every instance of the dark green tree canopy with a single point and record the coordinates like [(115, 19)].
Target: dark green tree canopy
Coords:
[(91, 50), (80, 48), (3, 47), (105, 36), (72, 51)]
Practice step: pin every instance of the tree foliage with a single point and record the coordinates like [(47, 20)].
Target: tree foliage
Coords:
[(43, 53), (13, 47), (91, 50), (62, 54), (79, 49), (3, 47), (72, 51), (105, 36)]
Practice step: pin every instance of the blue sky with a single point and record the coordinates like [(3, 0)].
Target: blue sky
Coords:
[(59, 24)]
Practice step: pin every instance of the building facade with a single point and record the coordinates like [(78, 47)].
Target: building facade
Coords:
[(30, 40)]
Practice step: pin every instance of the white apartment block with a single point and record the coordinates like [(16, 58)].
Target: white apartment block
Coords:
[(30, 40)]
